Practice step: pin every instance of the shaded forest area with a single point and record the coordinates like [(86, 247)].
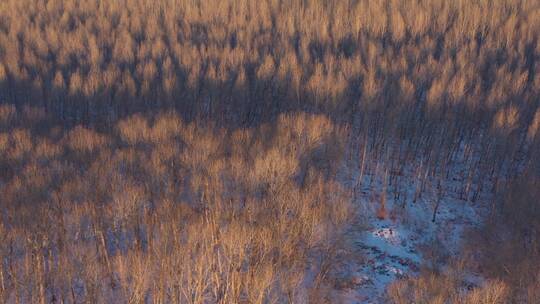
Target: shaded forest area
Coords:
[(183, 151)]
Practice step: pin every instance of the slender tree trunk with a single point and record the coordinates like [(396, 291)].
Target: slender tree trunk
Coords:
[(2, 282), (41, 277), (438, 201), (362, 163), (14, 275)]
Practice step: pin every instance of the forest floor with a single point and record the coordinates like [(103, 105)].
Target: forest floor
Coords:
[(382, 250)]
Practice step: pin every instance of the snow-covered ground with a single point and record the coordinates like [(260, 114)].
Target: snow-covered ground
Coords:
[(384, 250)]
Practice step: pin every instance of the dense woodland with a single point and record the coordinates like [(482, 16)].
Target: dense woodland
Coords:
[(183, 151)]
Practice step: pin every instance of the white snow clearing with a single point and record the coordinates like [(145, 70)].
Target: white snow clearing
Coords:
[(396, 246)]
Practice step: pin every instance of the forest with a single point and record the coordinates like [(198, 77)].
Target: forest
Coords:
[(189, 151)]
